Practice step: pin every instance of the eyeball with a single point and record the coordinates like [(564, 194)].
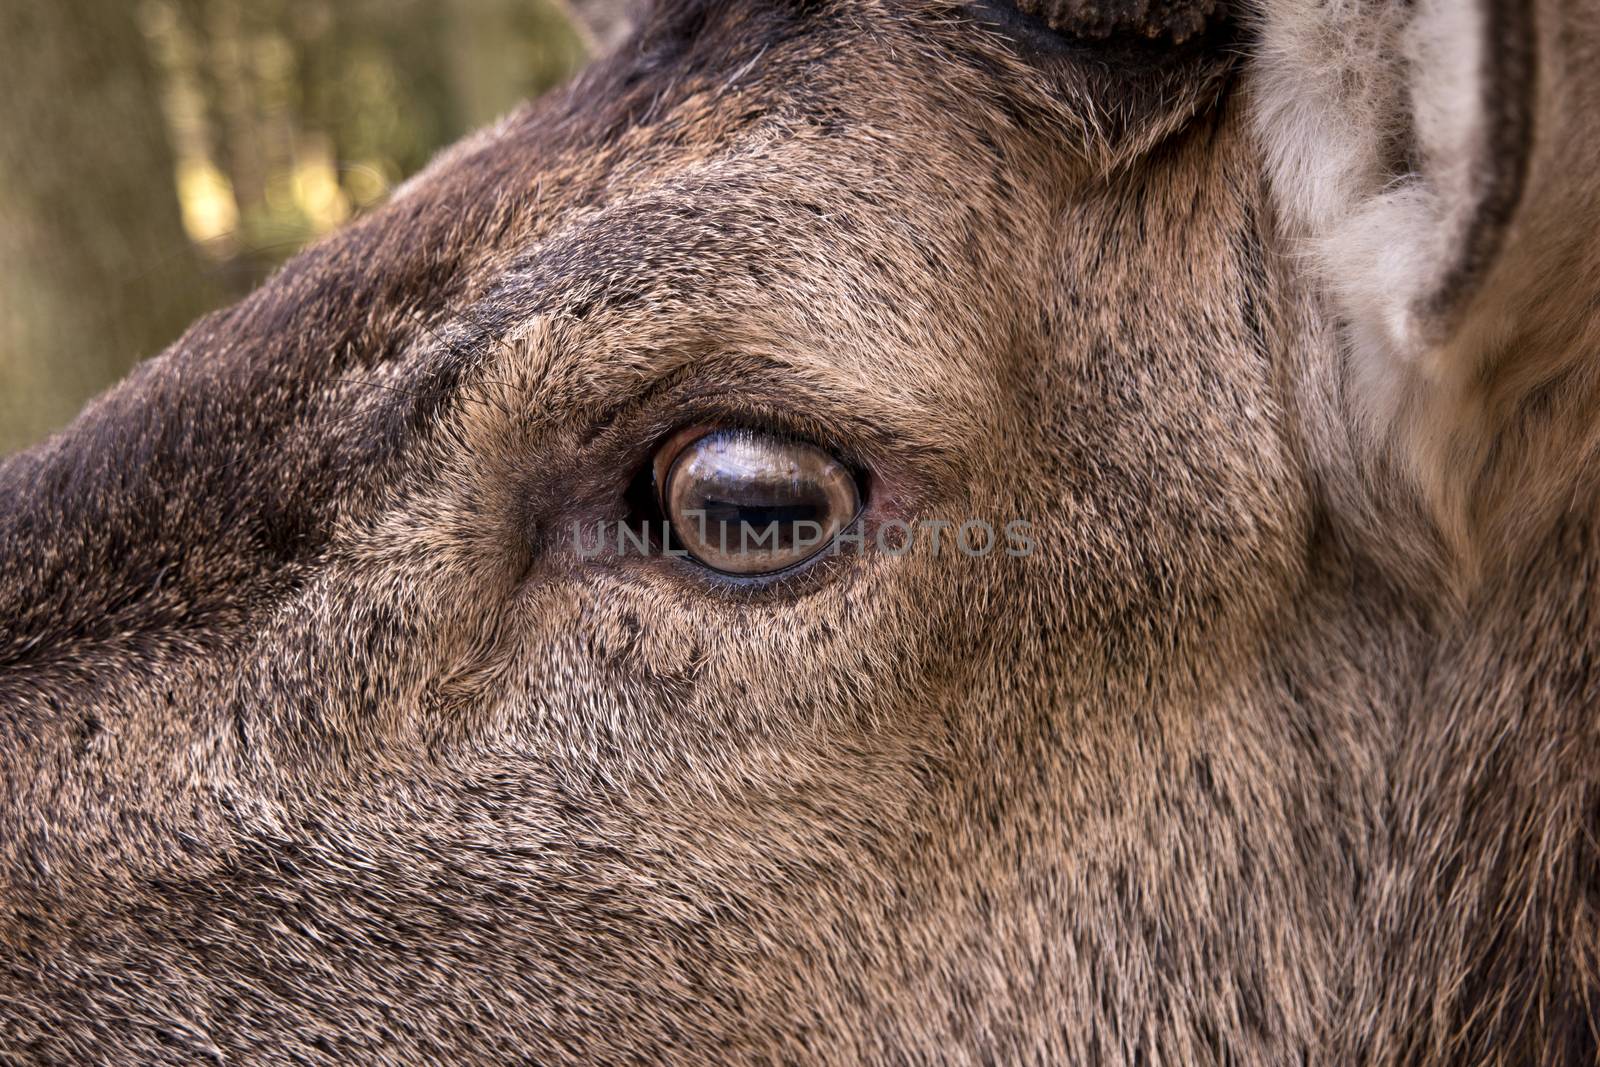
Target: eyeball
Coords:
[(748, 503)]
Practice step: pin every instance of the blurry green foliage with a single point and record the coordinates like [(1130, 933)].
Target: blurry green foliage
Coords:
[(175, 151)]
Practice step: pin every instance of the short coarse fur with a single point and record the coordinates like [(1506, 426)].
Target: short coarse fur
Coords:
[(321, 743)]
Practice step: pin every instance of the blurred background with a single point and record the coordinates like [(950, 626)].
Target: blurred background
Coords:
[(158, 158)]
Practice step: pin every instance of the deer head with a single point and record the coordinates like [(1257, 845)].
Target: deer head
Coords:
[(1188, 658)]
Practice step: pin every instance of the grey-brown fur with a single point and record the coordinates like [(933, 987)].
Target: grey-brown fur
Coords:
[(322, 745)]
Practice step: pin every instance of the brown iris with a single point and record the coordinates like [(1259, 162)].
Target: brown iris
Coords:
[(744, 502)]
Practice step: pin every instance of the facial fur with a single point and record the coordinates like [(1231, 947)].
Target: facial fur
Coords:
[(323, 743)]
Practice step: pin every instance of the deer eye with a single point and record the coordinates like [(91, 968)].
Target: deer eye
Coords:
[(748, 503)]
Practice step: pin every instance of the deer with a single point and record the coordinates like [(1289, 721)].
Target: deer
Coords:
[(1269, 739)]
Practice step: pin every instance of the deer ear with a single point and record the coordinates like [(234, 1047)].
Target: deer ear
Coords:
[(1433, 160)]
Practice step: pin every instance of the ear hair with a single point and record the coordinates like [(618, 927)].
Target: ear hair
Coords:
[(1398, 138)]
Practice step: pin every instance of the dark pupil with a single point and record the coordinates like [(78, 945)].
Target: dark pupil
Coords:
[(764, 526)]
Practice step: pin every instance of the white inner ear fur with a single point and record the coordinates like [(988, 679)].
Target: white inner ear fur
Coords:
[(1340, 87)]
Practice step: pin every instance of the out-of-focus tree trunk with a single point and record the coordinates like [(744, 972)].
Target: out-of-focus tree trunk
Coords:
[(95, 269)]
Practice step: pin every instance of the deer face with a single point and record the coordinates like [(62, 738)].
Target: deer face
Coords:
[(375, 685)]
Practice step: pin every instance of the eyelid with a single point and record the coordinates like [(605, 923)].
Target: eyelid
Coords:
[(648, 434)]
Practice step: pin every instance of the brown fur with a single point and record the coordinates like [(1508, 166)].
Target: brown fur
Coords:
[(323, 745)]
